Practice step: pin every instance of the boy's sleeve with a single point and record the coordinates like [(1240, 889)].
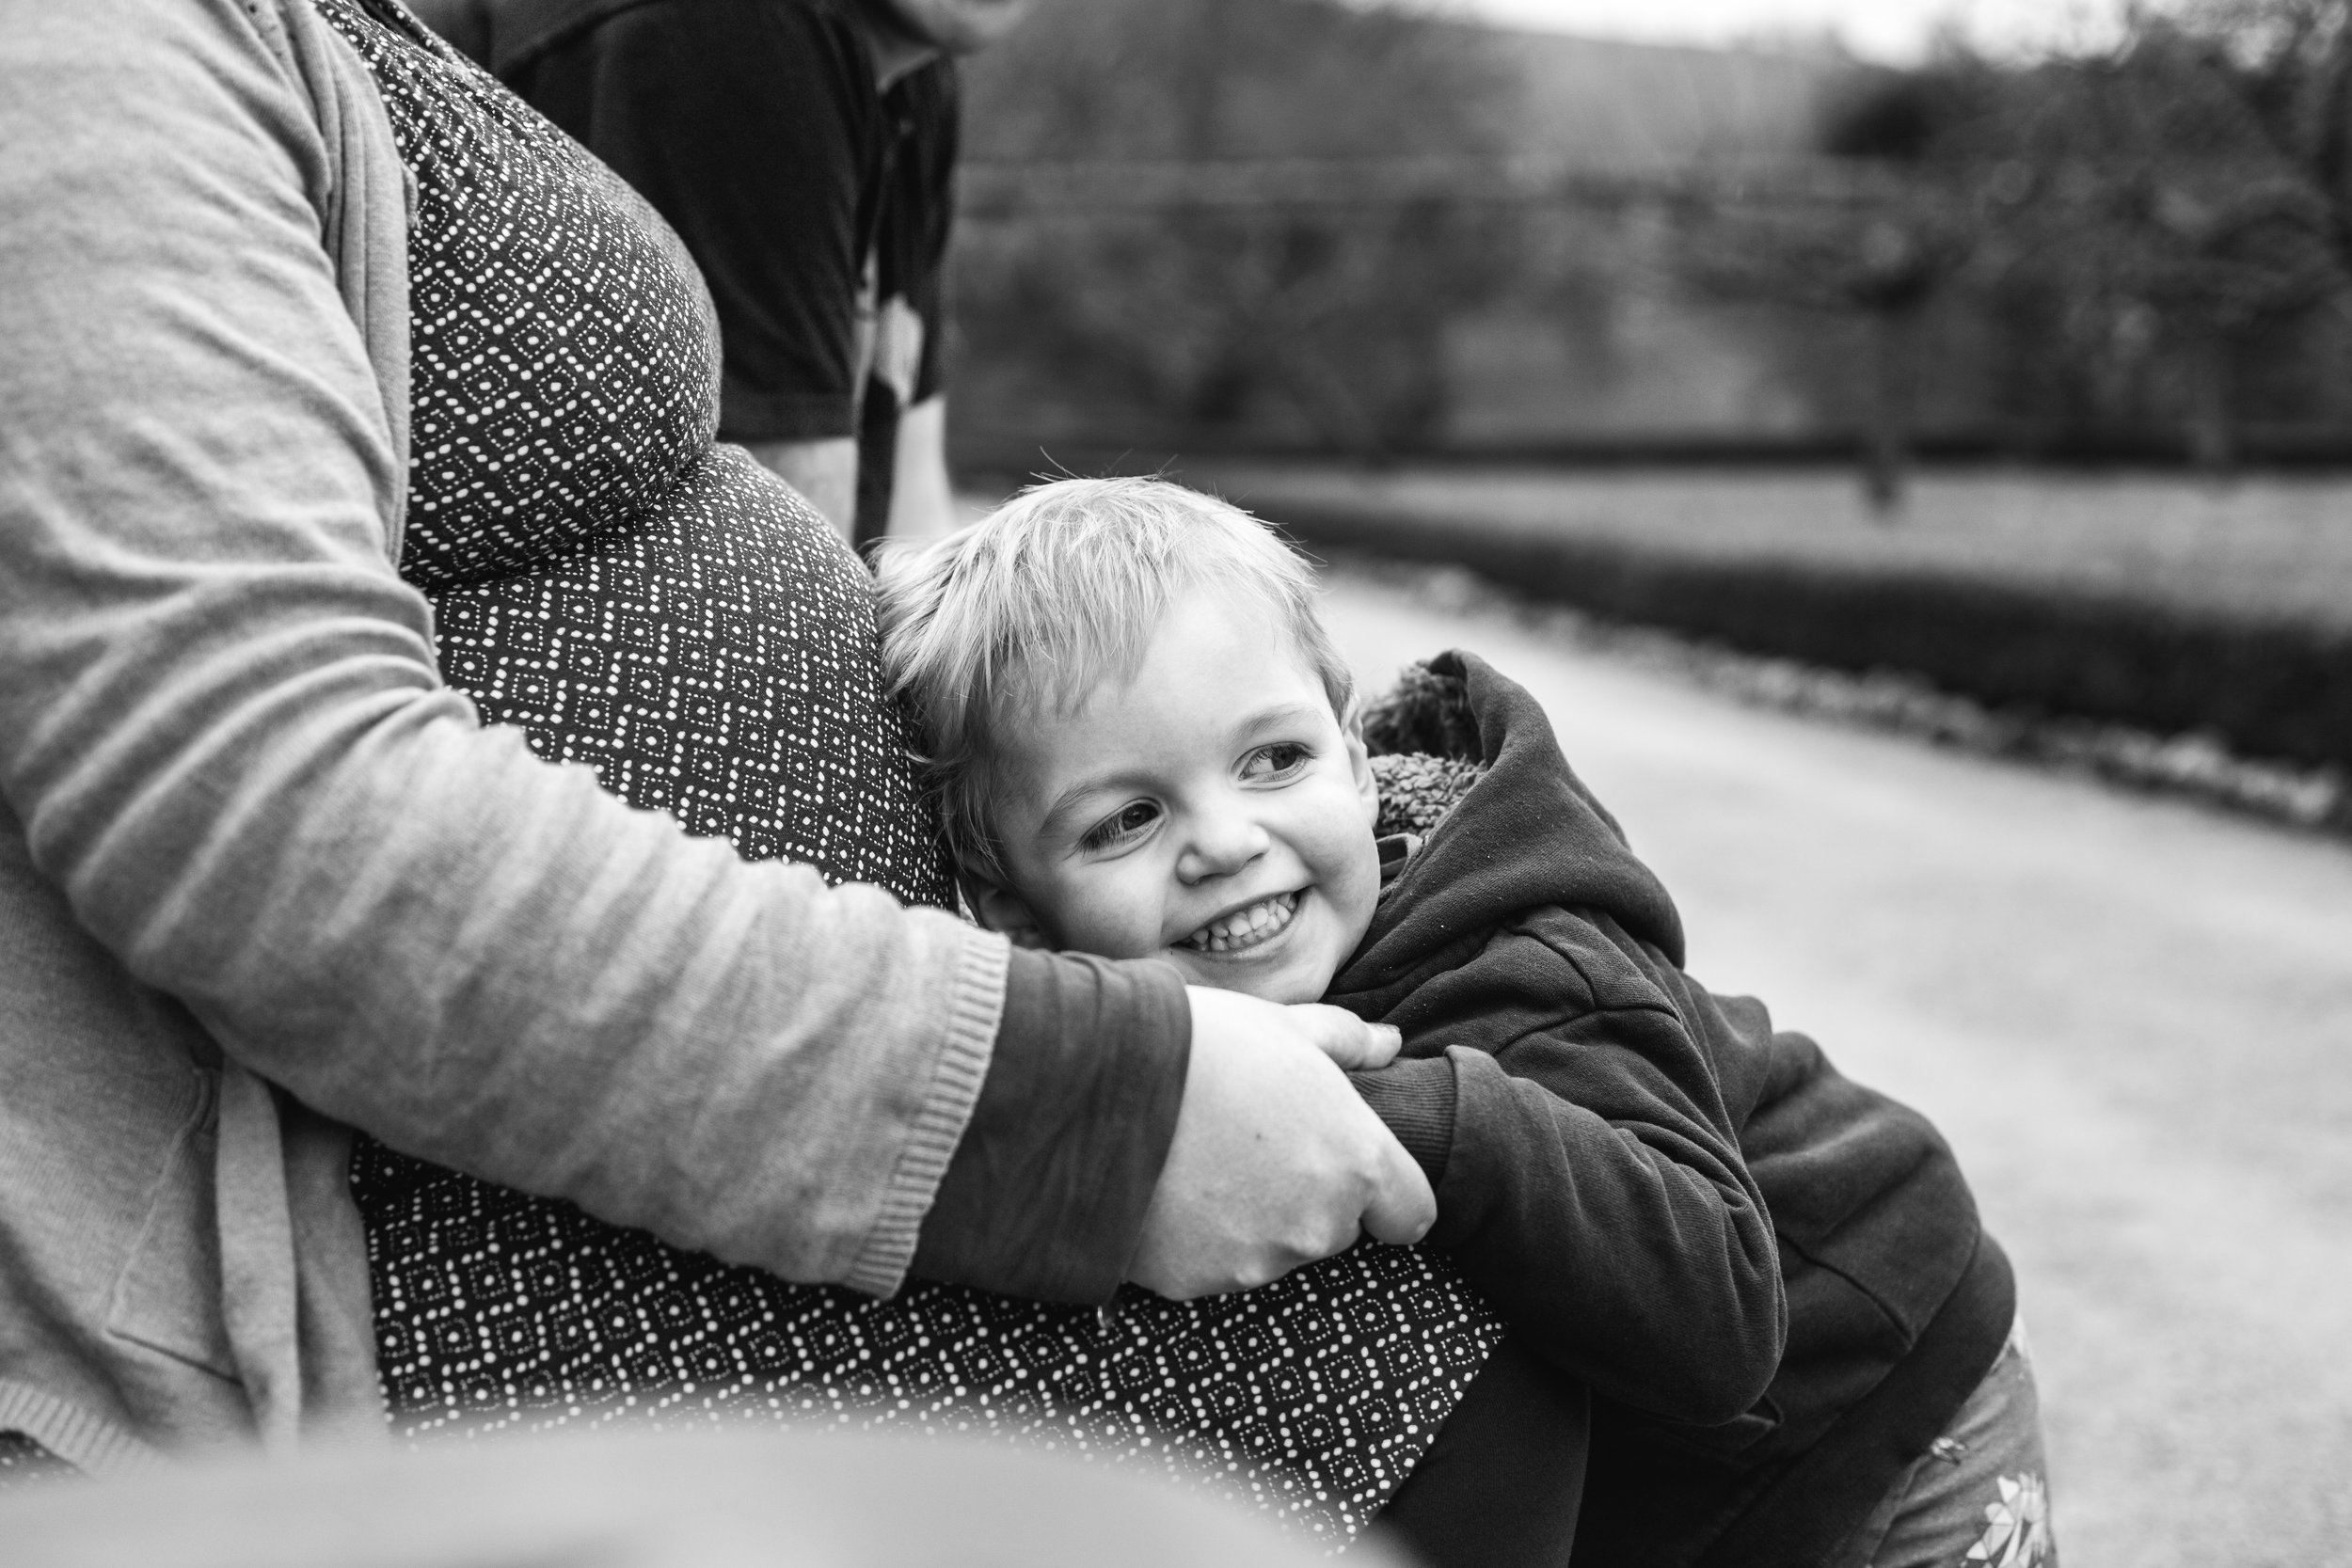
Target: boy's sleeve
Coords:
[(1590, 1181)]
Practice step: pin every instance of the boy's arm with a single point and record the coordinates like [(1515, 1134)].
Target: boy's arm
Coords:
[(1589, 1178)]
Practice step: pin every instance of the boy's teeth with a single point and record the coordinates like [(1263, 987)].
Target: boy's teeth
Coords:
[(1243, 928)]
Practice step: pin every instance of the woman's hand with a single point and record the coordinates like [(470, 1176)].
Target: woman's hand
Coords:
[(1276, 1161), (1353, 1045)]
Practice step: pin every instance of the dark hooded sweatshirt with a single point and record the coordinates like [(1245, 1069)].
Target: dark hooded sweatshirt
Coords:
[(1773, 1278)]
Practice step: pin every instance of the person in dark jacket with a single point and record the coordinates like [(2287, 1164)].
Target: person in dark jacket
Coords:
[(804, 151), (1900, 1424), (1773, 1278)]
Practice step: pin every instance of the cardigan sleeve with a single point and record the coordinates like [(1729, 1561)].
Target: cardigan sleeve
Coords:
[(223, 729)]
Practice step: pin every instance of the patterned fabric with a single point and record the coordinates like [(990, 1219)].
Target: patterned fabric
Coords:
[(663, 610), (551, 406), (23, 1463), (1311, 1398), (634, 598), (717, 664)]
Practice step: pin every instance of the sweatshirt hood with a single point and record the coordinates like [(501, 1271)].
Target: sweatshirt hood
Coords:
[(1527, 834)]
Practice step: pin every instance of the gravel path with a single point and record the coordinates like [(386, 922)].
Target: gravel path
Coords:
[(2132, 1015)]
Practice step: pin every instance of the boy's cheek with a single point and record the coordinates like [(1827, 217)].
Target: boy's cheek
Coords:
[(1363, 887), (1097, 920)]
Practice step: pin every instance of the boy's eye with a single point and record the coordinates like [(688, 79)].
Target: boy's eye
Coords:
[(1272, 762), (1127, 821)]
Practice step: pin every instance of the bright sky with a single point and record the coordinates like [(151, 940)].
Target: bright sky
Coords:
[(1895, 31)]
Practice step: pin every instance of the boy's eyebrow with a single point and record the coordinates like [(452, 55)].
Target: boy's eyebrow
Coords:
[(1282, 713)]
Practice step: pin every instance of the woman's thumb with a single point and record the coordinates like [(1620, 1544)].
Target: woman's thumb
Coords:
[(1347, 1039)]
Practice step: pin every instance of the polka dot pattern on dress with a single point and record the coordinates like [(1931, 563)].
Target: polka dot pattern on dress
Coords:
[(564, 368), (25, 1463), (716, 663), (660, 609), (1311, 1398)]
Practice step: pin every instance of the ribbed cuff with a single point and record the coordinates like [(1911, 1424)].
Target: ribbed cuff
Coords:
[(959, 1081), (1415, 1097), (92, 1444)]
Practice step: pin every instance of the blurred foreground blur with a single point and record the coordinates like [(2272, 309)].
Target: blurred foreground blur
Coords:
[(772, 1500)]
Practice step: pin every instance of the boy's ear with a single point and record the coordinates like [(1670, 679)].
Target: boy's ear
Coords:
[(1003, 910), (1360, 758)]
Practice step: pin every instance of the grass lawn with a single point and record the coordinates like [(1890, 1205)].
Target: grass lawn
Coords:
[(2264, 547)]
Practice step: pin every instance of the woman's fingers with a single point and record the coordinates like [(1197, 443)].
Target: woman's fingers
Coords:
[(1275, 1159), (1349, 1040), (1403, 1205)]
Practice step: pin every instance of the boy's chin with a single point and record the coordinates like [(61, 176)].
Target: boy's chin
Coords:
[(1295, 980)]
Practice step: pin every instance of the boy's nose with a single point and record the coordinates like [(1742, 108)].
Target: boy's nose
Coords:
[(1221, 847)]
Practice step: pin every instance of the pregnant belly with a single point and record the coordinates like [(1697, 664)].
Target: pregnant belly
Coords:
[(716, 662)]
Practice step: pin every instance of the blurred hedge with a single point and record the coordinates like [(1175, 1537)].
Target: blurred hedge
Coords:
[(2276, 688)]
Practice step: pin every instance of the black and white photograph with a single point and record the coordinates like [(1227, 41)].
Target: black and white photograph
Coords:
[(1175, 784)]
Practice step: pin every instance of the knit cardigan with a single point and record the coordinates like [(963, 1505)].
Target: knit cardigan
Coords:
[(264, 876)]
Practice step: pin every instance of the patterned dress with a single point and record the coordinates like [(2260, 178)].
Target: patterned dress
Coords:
[(659, 608)]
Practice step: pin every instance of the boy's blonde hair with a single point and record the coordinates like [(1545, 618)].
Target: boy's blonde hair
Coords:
[(1029, 608)]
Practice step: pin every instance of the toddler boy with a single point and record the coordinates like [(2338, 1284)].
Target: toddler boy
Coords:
[(1772, 1280)]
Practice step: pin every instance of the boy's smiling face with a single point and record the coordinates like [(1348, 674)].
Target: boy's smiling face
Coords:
[(1211, 811)]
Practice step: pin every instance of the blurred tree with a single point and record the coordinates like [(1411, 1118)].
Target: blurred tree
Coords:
[(2156, 191), (2141, 219), (1152, 80), (1882, 239), (1256, 271), (1260, 222), (2289, 65)]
